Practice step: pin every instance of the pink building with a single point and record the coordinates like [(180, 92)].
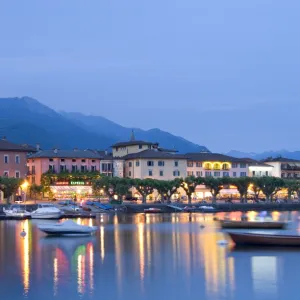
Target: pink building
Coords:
[(13, 159), (58, 161)]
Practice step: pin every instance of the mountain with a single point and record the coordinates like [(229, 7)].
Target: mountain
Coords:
[(105, 127), (266, 154), (26, 120)]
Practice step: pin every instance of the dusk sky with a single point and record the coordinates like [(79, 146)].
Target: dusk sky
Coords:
[(221, 73)]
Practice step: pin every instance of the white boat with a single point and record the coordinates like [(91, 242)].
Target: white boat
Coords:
[(16, 211), (68, 227), (46, 211)]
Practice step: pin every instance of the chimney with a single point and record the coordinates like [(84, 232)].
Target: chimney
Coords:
[(55, 150), (38, 147), (4, 138)]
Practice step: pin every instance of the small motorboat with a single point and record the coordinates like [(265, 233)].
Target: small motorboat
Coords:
[(229, 224), (16, 211), (152, 210), (259, 239), (67, 227), (190, 208), (205, 208), (46, 211)]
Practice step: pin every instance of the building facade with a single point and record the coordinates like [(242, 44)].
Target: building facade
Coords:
[(285, 167), (13, 158)]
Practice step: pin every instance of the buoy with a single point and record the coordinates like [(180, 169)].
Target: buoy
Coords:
[(222, 242), (202, 226), (23, 233)]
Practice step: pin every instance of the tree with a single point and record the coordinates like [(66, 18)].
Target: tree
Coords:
[(270, 186), (215, 185), (189, 185), (108, 184), (242, 185), (293, 186), (35, 190), (122, 187), (9, 186), (144, 186)]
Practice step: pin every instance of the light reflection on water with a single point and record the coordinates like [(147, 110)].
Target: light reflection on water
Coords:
[(144, 257)]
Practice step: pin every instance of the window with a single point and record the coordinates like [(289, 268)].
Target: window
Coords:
[(5, 174), (62, 168), (74, 168), (104, 167), (161, 173), (150, 163), (176, 173), (33, 170), (93, 168), (51, 168), (176, 163), (225, 174), (140, 146), (17, 160), (117, 149), (33, 179), (50, 159), (130, 164), (234, 174), (242, 165), (225, 166), (137, 163), (6, 159), (234, 165), (73, 160), (207, 166), (129, 173), (83, 168), (83, 160), (217, 166), (62, 160), (267, 173), (253, 173), (93, 160), (243, 174), (190, 173), (199, 173), (17, 174), (190, 164), (198, 164), (150, 173), (161, 163), (217, 174), (207, 174)]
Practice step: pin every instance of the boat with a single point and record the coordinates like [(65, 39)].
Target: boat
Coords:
[(152, 210), (46, 211), (259, 239), (205, 208), (229, 224), (16, 211), (190, 208), (67, 227)]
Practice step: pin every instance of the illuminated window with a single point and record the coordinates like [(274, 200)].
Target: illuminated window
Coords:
[(207, 166), (217, 167), (225, 166)]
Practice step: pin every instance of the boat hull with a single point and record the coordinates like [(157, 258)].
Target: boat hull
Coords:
[(77, 232), (252, 225), (252, 239), (46, 215)]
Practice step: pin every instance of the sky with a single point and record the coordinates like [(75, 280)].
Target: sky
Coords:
[(224, 74)]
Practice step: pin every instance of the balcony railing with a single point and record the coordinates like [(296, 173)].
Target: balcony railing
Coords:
[(290, 168)]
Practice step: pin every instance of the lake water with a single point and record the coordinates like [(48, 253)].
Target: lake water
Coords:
[(165, 256)]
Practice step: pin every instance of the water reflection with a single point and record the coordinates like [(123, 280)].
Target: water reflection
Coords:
[(144, 257)]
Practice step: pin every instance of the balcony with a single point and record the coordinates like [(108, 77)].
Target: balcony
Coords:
[(288, 167)]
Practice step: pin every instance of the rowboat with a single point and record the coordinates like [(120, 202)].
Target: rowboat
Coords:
[(152, 210), (258, 239), (229, 224)]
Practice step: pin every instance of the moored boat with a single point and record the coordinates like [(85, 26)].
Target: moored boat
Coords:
[(46, 211), (16, 211), (190, 208), (68, 227), (259, 239), (229, 224), (152, 210)]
